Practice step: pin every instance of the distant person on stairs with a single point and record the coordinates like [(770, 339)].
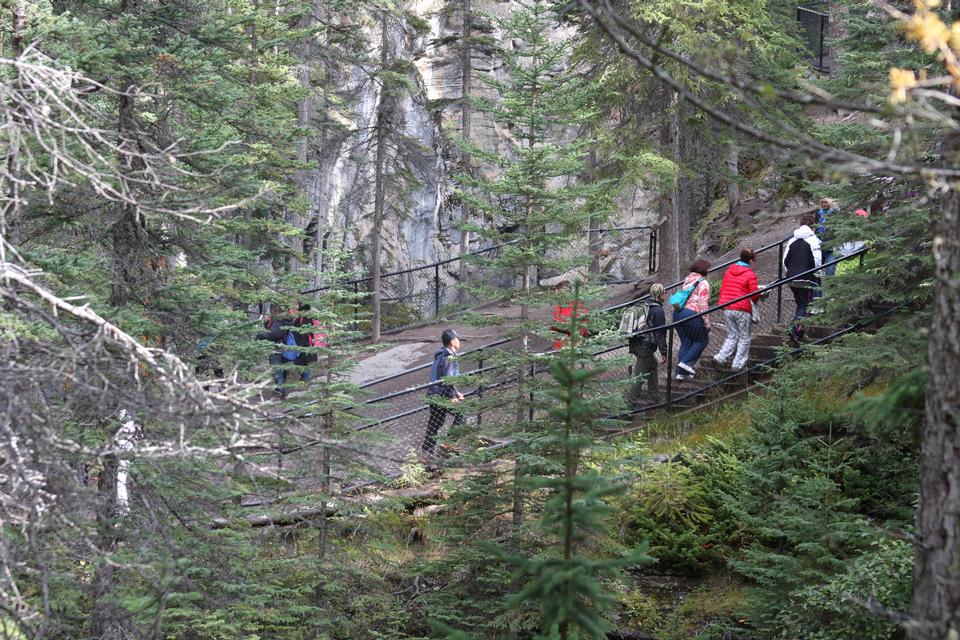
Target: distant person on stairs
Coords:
[(441, 394), (802, 254), (739, 280), (695, 333), (650, 348), (827, 208), (281, 331), (561, 317), (849, 248)]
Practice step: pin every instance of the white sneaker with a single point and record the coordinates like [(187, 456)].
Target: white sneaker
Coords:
[(684, 376), (687, 368)]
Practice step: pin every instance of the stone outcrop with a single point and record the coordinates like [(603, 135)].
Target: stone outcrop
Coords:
[(417, 228)]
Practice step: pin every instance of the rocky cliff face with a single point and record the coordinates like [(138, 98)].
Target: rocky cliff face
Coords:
[(418, 229)]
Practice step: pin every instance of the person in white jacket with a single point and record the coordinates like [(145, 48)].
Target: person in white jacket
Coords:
[(802, 253)]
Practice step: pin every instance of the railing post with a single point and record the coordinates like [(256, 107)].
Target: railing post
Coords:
[(669, 367), (480, 390), (436, 290), (533, 373), (650, 254), (356, 306), (779, 278)]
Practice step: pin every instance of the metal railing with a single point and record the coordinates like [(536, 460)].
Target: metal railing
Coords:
[(814, 23), (410, 297), (402, 415)]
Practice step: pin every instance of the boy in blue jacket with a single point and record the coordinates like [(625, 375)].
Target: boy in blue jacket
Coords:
[(440, 394)]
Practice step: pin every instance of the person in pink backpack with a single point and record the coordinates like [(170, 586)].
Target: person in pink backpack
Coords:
[(694, 333)]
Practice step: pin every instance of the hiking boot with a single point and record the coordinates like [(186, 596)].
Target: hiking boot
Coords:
[(719, 362)]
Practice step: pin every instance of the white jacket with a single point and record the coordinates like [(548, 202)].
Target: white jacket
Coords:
[(805, 233)]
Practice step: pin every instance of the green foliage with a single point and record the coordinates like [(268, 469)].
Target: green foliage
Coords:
[(681, 507), (837, 609)]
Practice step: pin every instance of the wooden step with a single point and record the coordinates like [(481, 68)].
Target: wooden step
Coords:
[(761, 353), (767, 340)]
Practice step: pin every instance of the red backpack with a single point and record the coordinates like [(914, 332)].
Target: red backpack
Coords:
[(318, 339)]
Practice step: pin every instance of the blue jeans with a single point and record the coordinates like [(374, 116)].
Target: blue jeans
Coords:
[(827, 272), (283, 369), (693, 338)]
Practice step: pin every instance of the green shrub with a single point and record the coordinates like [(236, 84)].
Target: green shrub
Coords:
[(668, 506), (835, 610)]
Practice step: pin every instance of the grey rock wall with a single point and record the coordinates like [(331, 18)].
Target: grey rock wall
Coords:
[(420, 231)]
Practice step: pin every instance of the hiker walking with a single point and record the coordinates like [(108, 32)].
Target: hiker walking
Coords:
[(441, 394), (692, 298), (802, 254), (287, 333), (827, 208), (739, 280), (647, 345)]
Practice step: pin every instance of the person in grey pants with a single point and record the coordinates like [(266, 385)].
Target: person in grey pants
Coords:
[(739, 280)]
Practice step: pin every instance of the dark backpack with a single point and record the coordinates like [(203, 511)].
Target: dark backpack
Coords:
[(643, 340)]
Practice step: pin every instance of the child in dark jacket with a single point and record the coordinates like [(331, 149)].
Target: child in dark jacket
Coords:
[(439, 394)]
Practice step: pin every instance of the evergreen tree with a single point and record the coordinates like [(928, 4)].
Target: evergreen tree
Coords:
[(562, 580), (534, 205)]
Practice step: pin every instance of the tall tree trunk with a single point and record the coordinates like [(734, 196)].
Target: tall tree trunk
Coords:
[(733, 176), (525, 287), (10, 219), (593, 236), (108, 619), (379, 183), (466, 111), (935, 607), (302, 176), (680, 198), (668, 240)]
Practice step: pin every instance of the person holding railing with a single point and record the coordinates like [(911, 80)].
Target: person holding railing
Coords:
[(694, 333), (801, 254), (739, 280)]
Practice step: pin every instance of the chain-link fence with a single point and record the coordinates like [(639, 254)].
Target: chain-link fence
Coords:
[(420, 294), (814, 23)]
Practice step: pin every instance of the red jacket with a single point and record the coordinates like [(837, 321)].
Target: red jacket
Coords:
[(561, 319), (739, 280)]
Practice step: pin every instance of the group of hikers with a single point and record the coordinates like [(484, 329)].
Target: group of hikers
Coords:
[(809, 248), (295, 333), (804, 254)]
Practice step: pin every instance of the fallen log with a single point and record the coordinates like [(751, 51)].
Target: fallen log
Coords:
[(281, 518)]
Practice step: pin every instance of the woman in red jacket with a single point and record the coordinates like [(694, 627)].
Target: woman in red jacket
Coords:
[(739, 280)]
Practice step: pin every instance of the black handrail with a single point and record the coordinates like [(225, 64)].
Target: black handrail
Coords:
[(758, 365), (424, 366), (447, 261), (609, 309), (666, 327)]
